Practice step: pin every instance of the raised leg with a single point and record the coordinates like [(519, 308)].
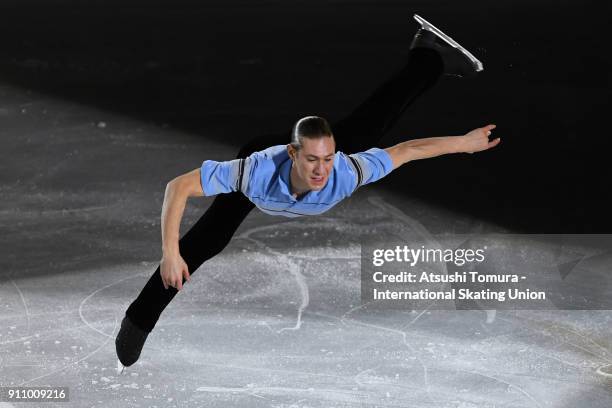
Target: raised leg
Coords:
[(368, 123)]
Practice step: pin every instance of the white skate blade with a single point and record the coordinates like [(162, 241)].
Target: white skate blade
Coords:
[(120, 367), (426, 25)]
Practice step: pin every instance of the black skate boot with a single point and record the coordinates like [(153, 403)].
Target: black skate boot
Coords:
[(129, 343), (457, 60)]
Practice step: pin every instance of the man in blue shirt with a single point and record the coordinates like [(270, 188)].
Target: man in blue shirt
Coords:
[(273, 182), (308, 176)]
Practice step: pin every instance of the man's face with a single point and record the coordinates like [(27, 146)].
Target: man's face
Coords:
[(314, 162)]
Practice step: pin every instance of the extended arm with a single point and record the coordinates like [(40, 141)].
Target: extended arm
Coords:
[(475, 141)]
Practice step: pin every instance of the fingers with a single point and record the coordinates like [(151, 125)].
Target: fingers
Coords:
[(178, 282), (184, 274), (165, 284), (169, 283), (493, 143), (487, 130), (174, 283)]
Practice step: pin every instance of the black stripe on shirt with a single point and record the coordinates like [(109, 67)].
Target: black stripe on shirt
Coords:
[(240, 174), (358, 170)]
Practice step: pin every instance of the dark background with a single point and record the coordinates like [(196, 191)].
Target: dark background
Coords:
[(232, 70)]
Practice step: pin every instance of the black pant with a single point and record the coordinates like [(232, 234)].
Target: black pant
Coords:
[(361, 130)]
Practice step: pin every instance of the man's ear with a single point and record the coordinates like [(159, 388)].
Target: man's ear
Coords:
[(292, 151)]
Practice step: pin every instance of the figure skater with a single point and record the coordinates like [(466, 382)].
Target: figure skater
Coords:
[(304, 173)]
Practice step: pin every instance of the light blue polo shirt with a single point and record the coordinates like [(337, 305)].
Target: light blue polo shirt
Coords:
[(264, 178)]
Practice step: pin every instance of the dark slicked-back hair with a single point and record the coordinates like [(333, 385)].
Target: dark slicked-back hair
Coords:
[(312, 127)]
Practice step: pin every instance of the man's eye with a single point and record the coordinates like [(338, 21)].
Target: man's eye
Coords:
[(311, 160), (327, 160)]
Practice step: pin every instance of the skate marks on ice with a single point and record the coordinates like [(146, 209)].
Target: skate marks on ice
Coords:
[(414, 226), (108, 337), (307, 395), (293, 266), (558, 332), (589, 355), (25, 305), (403, 334), (294, 262), (404, 227), (387, 219), (49, 330)]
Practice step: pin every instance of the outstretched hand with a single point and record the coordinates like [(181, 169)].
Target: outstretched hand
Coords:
[(478, 140)]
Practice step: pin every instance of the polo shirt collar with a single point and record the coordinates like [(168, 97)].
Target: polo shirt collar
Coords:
[(284, 180)]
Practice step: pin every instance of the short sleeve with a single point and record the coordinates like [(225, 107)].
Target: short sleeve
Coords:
[(220, 177), (373, 164)]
